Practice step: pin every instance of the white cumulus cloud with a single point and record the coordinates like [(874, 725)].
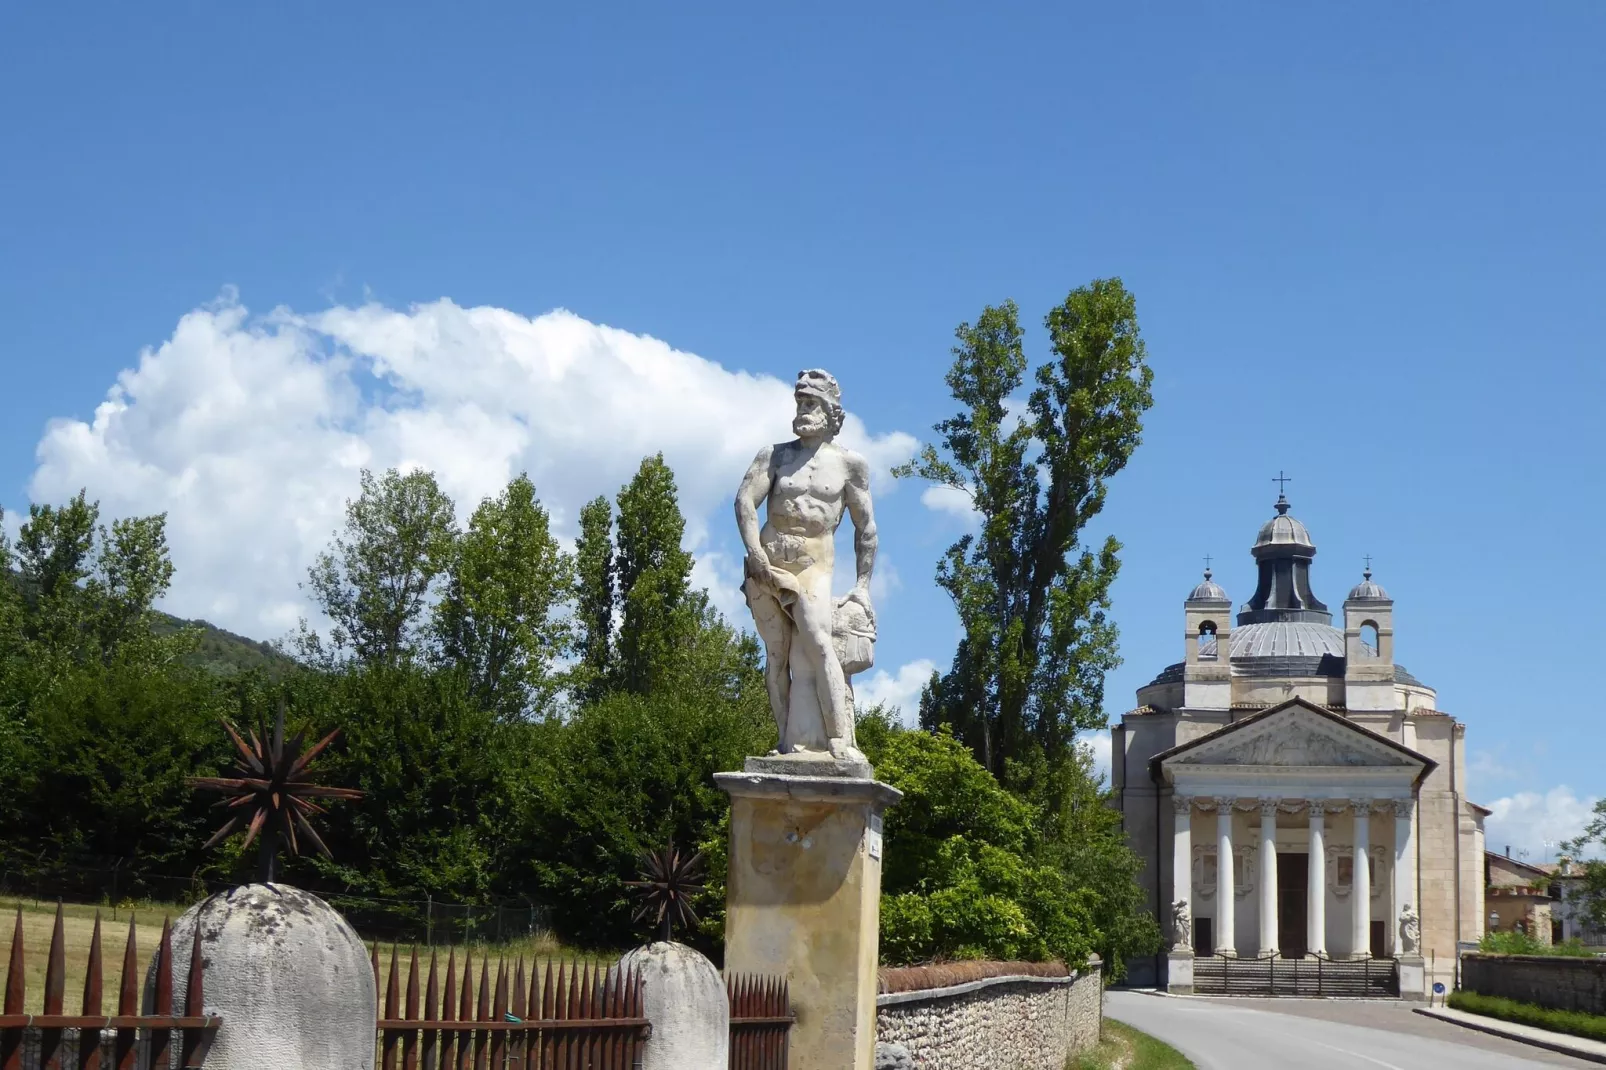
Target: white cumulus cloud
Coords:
[(941, 498), (900, 690), (249, 432), (1537, 823), (1098, 741)]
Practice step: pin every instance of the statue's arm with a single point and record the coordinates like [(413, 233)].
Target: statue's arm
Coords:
[(857, 494), (754, 489)]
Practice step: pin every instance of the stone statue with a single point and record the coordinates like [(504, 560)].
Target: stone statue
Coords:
[(1410, 930), (813, 643), (1181, 926)]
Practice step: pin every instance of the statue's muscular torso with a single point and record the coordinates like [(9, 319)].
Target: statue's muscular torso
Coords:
[(805, 505)]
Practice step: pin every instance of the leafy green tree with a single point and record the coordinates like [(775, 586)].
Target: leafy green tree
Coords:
[(1033, 602), (653, 578), (594, 594), (497, 619), (443, 779), (965, 876), (634, 771), (375, 581), (1588, 892)]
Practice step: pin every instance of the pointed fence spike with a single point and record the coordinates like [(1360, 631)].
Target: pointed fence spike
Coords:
[(432, 990), (449, 1003), (128, 986), (164, 970), (373, 962), (393, 985), (483, 1008), (56, 968), (499, 1007), (546, 994), (520, 995), (94, 974), (194, 997), (465, 1010), (16, 977), (412, 986)]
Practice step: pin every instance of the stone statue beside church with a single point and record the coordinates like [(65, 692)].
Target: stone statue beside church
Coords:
[(813, 643), (1410, 930), (1181, 926)]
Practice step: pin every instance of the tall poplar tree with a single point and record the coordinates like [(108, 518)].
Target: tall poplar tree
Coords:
[(1033, 599), (653, 576), (593, 594), (496, 618), (375, 582)]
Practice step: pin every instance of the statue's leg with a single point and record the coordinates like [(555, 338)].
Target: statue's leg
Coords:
[(775, 628), (813, 616)]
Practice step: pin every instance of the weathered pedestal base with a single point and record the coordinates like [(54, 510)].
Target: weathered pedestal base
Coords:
[(803, 902), (1179, 973), (1413, 977)]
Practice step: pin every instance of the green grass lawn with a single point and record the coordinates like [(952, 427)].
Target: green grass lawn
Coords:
[(78, 926), (1123, 1048)]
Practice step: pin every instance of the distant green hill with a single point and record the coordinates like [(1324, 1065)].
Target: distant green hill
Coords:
[(223, 652)]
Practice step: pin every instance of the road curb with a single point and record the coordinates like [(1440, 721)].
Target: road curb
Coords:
[(1539, 1038)]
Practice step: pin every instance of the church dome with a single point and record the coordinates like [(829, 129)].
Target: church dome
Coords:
[(1282, 531), (1367, 591), (1208, 591)]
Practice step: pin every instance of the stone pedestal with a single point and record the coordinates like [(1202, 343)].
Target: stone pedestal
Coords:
[(1413, 977), (803, 897), (1179, 973)]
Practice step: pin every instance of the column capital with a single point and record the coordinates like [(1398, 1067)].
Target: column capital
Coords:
[(1224, 803), (1362, 805), (1182, 804), (1268, 806), (1402, 807), (1317, 808)]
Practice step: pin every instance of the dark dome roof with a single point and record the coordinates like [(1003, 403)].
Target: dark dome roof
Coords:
[(1282, 530), (1209, 591), (1367, 591)]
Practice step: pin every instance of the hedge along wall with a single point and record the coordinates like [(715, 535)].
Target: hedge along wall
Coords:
[(991, 1015), (1562, 983)]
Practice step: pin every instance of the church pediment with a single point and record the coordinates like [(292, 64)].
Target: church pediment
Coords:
[(1294, 735)]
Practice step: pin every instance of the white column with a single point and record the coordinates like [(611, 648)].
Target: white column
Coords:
[(1404, 867), (1226, 901), (1361, 888), (1268, 876), (1316, 878), (1182, 869)]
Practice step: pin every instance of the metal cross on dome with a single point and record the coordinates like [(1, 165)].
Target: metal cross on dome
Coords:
[(1282, 481)]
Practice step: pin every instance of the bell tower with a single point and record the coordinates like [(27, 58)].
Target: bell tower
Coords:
[(1207, 669), (1369, 647)]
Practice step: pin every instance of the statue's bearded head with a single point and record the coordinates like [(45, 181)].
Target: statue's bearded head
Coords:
[(819, 405)]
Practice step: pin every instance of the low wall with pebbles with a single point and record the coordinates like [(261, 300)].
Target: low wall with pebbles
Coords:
[(998, 1017)]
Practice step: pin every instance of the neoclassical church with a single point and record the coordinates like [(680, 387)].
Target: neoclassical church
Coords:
[(1295, 792)]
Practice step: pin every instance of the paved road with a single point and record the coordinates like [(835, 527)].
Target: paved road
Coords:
[(1282, 1034)]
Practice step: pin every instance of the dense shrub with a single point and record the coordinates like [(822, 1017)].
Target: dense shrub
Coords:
[(1573, 1023), (1515, 943)]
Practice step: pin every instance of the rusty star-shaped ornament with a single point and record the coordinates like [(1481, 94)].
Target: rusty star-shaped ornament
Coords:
[(669, 881), (272, 793)]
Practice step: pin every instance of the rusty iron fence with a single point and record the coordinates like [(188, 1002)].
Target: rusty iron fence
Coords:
[(127, 1040), (572, 1015), (761, 1022)]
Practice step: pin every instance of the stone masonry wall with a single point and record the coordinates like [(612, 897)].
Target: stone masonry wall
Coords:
[(1569, 984), (1001, 1023)]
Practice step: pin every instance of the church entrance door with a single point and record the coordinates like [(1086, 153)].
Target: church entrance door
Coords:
[(1293, 876)]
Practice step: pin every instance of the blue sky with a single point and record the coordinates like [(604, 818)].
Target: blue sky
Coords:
[(1365, 241)]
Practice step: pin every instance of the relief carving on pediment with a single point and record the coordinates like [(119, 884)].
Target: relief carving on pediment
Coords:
[(1288, 746)]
